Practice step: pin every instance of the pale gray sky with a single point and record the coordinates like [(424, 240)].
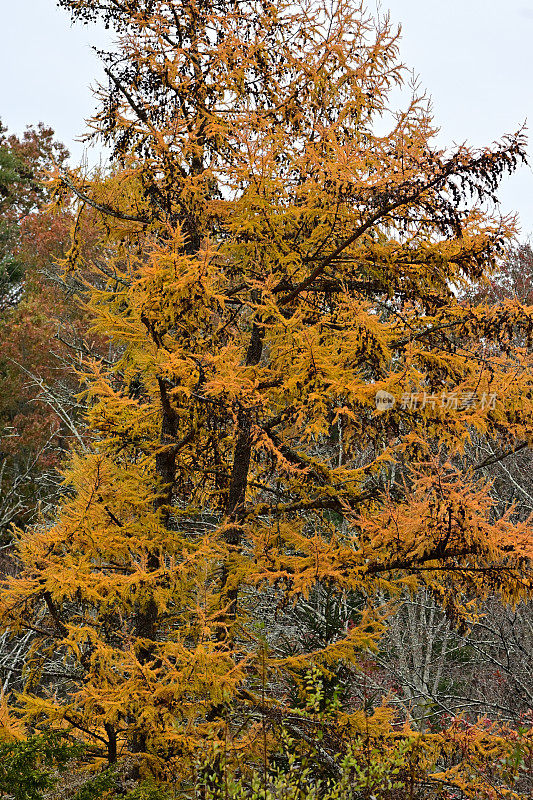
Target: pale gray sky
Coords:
[(474, 57)]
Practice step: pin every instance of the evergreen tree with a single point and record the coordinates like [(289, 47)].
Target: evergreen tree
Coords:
[(279, 282)]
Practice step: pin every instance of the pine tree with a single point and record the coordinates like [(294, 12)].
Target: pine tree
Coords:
[(291, 384)]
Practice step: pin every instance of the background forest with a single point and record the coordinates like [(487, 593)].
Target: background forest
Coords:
[(265, 416)]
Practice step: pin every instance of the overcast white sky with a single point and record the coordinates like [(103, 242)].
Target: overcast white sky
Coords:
[(474, 57)]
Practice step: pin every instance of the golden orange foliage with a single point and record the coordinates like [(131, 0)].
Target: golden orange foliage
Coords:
[(272, 262)]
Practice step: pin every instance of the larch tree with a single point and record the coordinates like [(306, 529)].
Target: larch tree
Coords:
[(291, 384)]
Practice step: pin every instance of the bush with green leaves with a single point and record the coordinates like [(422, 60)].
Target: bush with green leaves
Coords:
[(33, 766)]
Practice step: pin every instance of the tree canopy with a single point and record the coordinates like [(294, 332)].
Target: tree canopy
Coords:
[(292, 380)]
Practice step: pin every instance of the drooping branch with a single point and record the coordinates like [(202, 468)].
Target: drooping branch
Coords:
[(101, 207)]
